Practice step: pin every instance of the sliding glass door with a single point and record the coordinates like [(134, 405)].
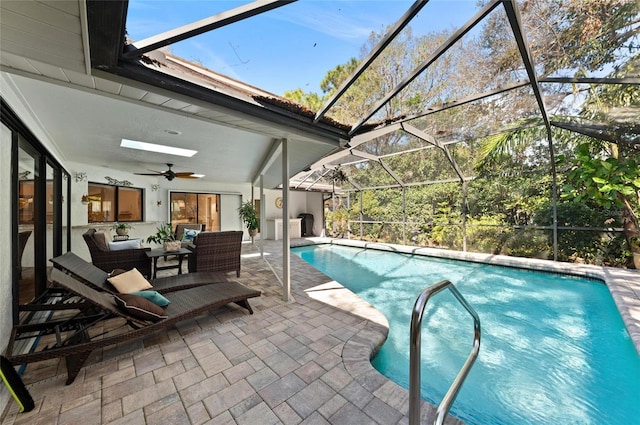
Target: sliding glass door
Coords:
[(40, 212), (191, 207)]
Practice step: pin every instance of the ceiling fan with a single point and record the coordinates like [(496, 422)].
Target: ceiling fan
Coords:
[(170, 174)]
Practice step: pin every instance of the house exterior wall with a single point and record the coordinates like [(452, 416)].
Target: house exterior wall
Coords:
[(299, 202)]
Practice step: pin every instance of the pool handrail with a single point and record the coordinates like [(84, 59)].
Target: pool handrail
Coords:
[(414, 354)]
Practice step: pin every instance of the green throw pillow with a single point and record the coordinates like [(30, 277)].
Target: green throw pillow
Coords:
[(153, 296), (139, 307)]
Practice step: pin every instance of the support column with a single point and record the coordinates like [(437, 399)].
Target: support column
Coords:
[(263, 219), (361, 216), (404, 216), (464, 215), (286, 243)]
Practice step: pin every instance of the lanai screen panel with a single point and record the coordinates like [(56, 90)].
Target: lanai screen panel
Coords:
[(391, 143), (419, 39), (464, 70), (434, 215), (369, 174), (609, 111), (424, 165), (582, 38), (483, 117), (464, 154)]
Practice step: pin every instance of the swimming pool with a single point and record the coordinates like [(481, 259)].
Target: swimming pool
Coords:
[(554, 348)]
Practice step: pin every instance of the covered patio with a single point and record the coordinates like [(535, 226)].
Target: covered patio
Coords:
[(302, 361)]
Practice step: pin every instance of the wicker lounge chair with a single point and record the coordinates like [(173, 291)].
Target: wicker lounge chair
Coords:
[(124, 259), (97, 278), (77, 336), (216, 252)]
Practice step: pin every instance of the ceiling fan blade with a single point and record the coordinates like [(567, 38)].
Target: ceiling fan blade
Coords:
[(149, 174), (190, 176), (184, 174)]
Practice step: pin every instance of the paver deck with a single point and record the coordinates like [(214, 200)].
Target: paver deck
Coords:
[(305, 361)]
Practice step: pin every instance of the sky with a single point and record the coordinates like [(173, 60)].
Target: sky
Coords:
[(290, 47)]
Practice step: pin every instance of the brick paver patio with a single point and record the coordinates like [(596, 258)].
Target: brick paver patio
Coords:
[(296, 362), (305, 361)]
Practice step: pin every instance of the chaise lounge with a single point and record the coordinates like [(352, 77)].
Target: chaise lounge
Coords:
[(80, 333), (97, 278)]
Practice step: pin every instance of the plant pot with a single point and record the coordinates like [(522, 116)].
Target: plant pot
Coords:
[(172, 246), (636, 260), (253, 232), (122, 232)]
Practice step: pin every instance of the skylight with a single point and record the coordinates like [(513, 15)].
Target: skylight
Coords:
[(152, 147)]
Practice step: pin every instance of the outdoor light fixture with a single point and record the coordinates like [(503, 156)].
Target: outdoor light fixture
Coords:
[(152, 147), (80, 176), (85, 199)]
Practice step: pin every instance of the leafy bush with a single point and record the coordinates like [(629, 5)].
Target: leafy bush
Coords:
[(487, 234)]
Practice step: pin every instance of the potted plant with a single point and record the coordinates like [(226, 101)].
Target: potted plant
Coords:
[(249, 216), (164, 236), (122, 229)]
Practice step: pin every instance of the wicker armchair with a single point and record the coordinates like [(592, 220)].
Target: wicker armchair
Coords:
[(216, 252), (124, 259)]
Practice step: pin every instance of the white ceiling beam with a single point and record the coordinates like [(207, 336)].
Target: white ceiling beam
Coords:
[(274, 152), (366, 155), (370, 135)]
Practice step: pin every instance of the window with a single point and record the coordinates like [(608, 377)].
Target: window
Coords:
[(114, 203), (189, 207)]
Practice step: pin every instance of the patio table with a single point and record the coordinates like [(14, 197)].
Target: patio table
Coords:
[(157, 253)]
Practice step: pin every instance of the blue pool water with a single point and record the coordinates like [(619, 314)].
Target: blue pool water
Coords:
[(554, 348)]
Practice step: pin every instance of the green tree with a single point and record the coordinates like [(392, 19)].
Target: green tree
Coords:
[(311, 100), (611, 182)]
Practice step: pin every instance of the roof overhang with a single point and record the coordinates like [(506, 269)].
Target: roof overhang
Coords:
[(86, 112)]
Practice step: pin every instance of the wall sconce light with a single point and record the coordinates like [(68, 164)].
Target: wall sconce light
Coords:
[(159, 203), (85, 199), (80, 176), (155, 187)]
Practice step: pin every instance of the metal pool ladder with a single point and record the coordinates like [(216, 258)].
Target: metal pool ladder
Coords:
[(414, 354)]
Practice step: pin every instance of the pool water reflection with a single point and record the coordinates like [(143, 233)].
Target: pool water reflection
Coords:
[(554, 348)]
